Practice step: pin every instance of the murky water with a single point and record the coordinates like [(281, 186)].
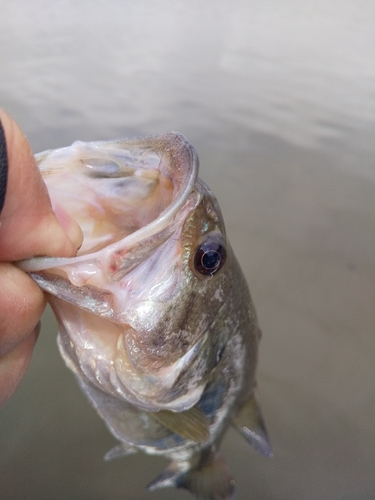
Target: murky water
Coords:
[(279, 100)]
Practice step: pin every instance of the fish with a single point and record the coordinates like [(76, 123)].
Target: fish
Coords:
[(155, 316)]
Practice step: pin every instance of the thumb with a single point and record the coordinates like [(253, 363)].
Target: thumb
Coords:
[(28, 224)]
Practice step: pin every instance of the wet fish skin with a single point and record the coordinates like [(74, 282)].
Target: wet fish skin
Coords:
[(155, 316)]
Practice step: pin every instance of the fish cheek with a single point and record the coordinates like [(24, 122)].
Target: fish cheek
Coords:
[(143, 352)]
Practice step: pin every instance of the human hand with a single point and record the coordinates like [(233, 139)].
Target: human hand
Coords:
[(28, 227)]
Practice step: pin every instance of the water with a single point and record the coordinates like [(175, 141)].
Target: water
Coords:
[(279, 101)]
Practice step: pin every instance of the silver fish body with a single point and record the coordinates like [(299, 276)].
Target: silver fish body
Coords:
[(155, 316)]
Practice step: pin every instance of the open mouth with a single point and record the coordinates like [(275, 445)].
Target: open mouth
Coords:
[(111, 194), (116, 189), (120, 192)]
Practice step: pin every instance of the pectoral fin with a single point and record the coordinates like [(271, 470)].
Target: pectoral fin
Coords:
[(190, 424), (121, 450), (210, 480), (249, 422)]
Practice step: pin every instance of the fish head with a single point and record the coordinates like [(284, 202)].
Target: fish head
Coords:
[(146, 307)]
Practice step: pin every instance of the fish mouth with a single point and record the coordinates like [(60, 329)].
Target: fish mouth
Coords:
[(130, 198), (122, 193)]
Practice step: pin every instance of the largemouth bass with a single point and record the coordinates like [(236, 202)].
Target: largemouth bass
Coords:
[(155, 316)]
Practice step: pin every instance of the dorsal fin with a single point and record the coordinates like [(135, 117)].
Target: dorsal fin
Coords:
[(190, 424), (211, 480), (249, 421)]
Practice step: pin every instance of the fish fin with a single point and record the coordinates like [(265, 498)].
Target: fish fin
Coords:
[(250, 423), (169, 477), (190, 424), (121, 450), (211, 480)]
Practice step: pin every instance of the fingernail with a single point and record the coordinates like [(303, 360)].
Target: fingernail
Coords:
[(3, 167)]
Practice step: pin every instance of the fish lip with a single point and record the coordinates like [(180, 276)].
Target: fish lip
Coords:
[(180, 151)]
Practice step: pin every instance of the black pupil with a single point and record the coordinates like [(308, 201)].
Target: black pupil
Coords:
[(211, 259), (210, 256)]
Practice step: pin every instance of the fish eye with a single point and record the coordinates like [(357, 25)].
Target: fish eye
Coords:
[(210, 256)]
